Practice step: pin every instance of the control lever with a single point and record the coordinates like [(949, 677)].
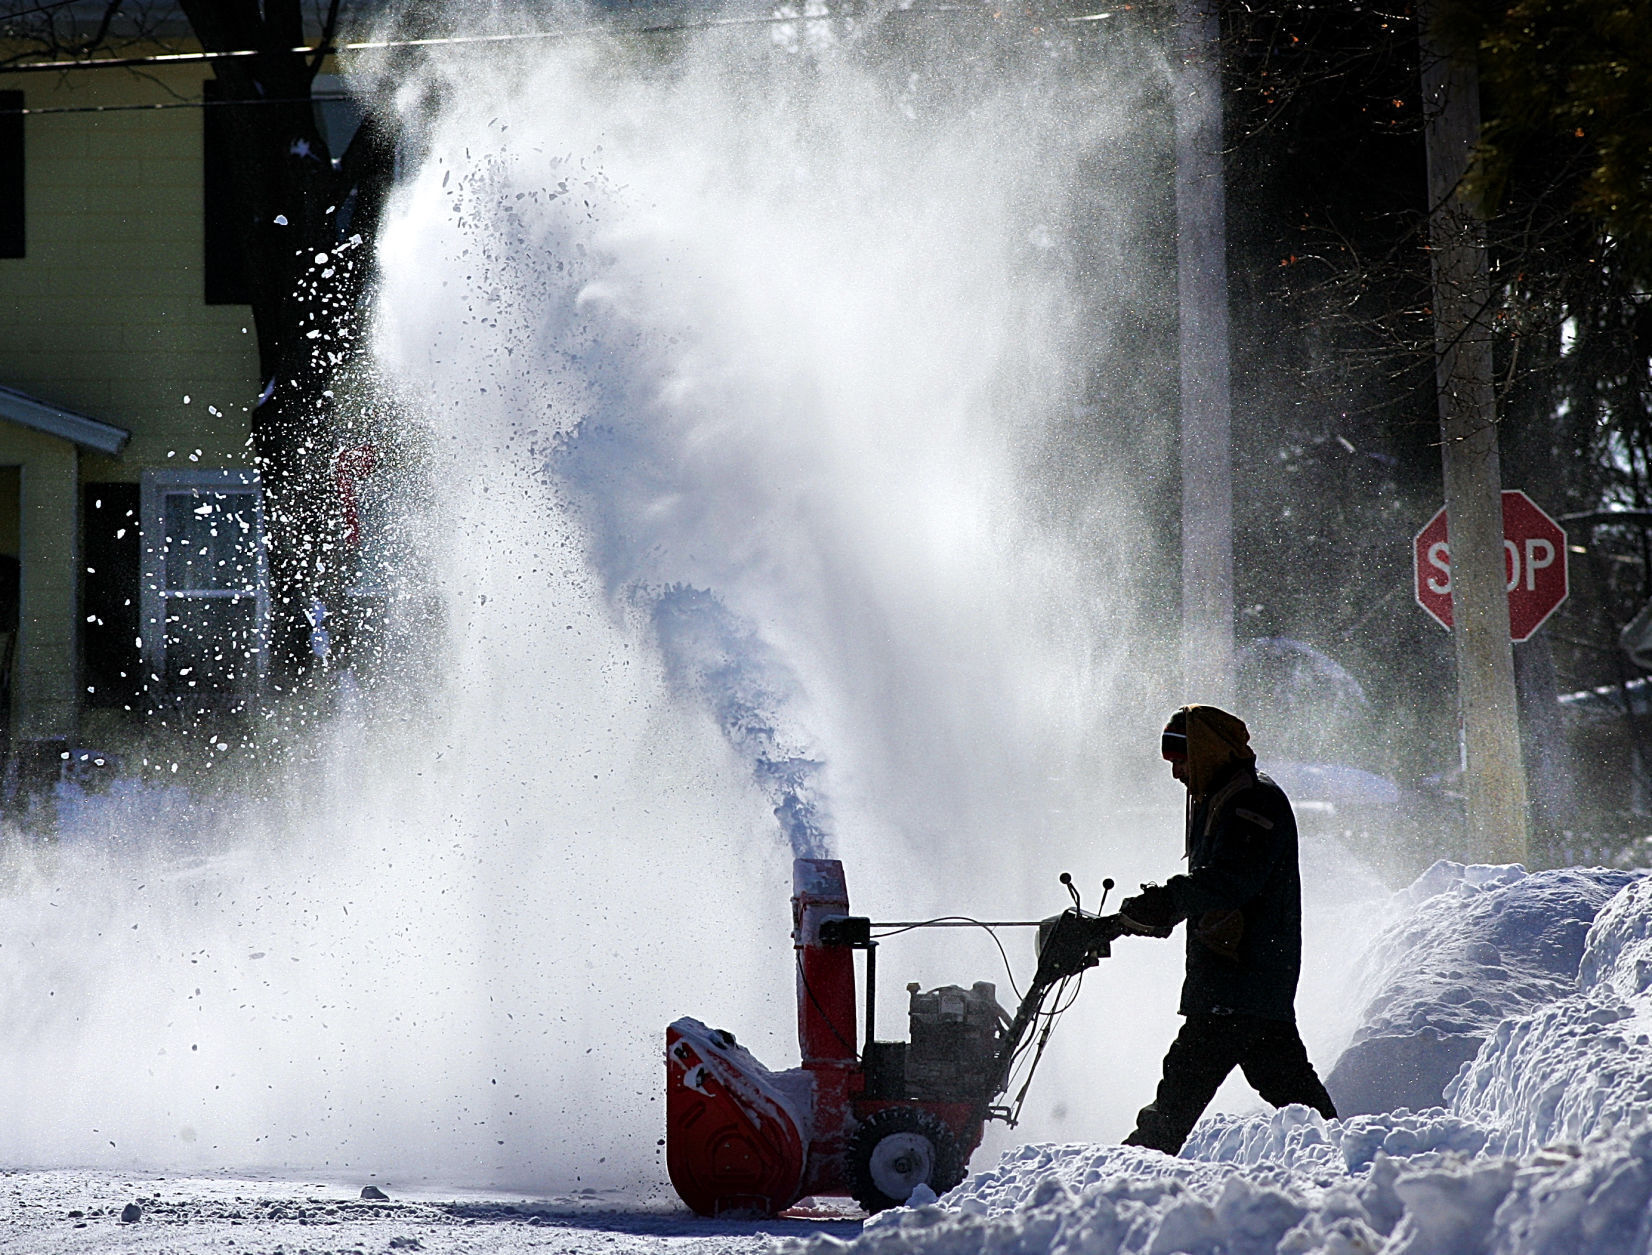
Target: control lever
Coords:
[(1067, 879)]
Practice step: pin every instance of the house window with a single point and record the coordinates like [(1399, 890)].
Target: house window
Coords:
[(205, 589), (11, 174)]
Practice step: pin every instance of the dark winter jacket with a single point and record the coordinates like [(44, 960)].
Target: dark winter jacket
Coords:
[(1241, 897)]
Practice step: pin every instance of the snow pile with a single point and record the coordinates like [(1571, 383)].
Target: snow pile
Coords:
[(1582, 1064), (1297, 1139), (1480, 944), (1543, 1145), (1435, 1199)]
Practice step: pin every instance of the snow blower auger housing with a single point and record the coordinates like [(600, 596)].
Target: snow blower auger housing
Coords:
[(876, 1122)]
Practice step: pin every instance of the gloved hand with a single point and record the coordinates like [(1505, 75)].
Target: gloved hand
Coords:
[(1153, 909)]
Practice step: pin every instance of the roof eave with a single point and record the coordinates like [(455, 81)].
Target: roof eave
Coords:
[(89, 433)]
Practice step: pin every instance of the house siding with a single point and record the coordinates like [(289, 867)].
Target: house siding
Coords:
[(106, 314), (44, 698)]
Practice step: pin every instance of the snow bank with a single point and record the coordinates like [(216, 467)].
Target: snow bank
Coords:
[(1479, 944), (1437, 1198), (1581, 1065), (1544, 1145), (1332, 1190)]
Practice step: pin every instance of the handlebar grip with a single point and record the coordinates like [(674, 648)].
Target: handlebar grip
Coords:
[(1135, 928)]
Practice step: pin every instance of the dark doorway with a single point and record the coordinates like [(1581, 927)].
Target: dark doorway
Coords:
[(109, 657), (11, 586)]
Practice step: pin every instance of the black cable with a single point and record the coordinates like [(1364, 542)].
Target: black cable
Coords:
[(1009, 972), (1021, 1094), (1062, 1008), (1063, 994), (1049, 1018), (1025, 1044), (830, 1023), (1043, 1022), (896, 930)]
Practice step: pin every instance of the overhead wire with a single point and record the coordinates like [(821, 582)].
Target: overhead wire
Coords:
[(318, 98), (382, 45)]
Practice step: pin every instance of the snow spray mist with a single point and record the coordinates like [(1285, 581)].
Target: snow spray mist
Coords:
[(759, 397), (795, 377)]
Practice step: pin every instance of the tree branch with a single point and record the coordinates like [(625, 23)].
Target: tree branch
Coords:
[(112, 8)]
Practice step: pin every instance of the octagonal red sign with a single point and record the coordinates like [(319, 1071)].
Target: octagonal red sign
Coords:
[(1534, 562)]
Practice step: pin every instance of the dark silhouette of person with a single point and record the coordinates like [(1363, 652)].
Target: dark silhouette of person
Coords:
[(1242, 899)]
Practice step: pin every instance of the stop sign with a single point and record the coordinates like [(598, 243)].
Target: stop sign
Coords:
[(1534, 562)]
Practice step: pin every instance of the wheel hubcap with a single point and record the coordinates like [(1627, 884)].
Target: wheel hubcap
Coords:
[(900, 1163)]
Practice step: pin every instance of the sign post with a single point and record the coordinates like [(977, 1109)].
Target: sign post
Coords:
[(1202, 295), (1536, 581)]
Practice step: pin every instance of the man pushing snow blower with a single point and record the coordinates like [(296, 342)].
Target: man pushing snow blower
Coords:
[(878, 1119), (1242, 899)]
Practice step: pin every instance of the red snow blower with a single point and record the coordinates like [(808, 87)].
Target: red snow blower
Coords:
[(877, 1123)]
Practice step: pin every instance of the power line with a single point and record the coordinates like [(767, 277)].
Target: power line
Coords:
[(380, 45), (320, 98)]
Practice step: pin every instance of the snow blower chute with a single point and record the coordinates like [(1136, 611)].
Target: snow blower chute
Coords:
[(876, 1122)]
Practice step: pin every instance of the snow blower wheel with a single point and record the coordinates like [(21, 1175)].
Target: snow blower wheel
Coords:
[(898, 1149)]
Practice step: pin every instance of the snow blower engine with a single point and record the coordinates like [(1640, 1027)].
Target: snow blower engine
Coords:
[(879, 1122)]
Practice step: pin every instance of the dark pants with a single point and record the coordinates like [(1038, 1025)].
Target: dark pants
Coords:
[(1270, 1052)]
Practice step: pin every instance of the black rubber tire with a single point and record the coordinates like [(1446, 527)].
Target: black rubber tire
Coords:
[(896, 1150)]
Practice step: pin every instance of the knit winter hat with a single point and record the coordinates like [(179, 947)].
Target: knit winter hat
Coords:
[(1214, 739)]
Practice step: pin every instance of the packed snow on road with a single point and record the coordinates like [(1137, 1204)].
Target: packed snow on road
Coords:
[(1524, 1000), (101, 1211)]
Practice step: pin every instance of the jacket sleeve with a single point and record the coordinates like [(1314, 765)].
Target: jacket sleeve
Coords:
[(1247, 841)]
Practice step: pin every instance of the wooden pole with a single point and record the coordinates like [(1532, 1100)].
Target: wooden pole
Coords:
[(1202, 292), (1496, 778)]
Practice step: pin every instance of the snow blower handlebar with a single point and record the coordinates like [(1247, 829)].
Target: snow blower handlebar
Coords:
[(1068, 944)]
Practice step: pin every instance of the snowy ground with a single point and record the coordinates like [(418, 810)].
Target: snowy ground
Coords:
[(81, 1211), (1519, 1005)]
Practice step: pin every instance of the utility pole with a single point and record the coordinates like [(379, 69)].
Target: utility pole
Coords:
[(1202, 291), (1496, 778)]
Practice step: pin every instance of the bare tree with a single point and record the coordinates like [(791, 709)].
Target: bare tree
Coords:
[(1327, 145)]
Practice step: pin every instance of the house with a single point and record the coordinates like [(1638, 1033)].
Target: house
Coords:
[(132, 559)]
